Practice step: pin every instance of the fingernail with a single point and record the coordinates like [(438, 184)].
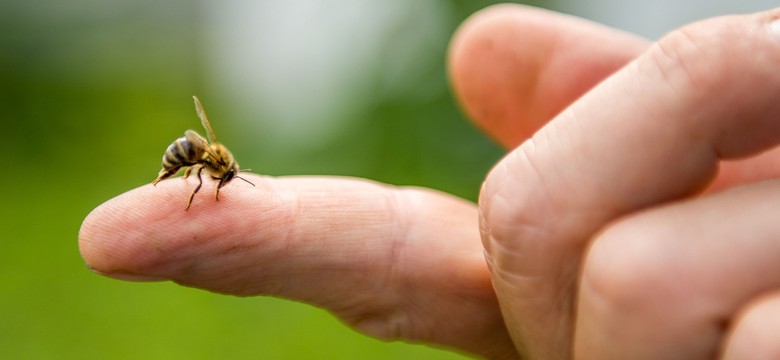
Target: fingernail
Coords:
[(127, 276), (775, 28), (134, 277)]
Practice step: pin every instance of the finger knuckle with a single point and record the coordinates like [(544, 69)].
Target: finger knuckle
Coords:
[(510, 212), (712, 56)]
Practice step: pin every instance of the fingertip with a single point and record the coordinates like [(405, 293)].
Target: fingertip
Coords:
[(514, 67), (148, 234), (108, 237), (491, 72)]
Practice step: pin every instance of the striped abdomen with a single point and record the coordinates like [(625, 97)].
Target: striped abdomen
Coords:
[(181, 152)]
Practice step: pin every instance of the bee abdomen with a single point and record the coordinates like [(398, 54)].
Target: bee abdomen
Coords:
[(181, 153)]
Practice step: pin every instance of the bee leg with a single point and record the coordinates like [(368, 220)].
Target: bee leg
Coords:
[(197, 188), (164, 174), (187, 172), (219, 186)]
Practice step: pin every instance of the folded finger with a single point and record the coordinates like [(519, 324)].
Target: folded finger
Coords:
[(743, 171), (653, 132), (667, 282), (754, 333)]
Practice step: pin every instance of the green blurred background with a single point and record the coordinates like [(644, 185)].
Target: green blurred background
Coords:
[(91, 94)]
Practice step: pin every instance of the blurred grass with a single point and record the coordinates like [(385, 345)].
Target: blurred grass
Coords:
[(91, 93)]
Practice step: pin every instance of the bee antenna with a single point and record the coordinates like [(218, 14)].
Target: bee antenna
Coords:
[(250, 183)]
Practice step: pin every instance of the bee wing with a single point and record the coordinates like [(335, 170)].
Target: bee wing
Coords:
[(196, 139), (199, 142), (205, 121)]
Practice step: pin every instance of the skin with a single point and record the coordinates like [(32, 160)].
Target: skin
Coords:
[(632, 215)]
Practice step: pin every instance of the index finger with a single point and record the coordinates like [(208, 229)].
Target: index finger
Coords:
[(392, 262)]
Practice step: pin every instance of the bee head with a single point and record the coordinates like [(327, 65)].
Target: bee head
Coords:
[(229, 175)]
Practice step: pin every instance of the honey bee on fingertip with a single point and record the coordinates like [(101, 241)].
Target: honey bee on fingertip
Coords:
[(192, 151)]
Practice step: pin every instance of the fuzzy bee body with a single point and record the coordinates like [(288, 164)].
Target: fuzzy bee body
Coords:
[(192, 151), (181, 153)]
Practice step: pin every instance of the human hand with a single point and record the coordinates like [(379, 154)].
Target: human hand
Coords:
[(596, 231), (407, 263)]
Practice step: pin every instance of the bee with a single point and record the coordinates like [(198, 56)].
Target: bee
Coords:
[(192, 151)]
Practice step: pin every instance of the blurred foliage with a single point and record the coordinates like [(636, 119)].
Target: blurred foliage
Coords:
[(91, 93)]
